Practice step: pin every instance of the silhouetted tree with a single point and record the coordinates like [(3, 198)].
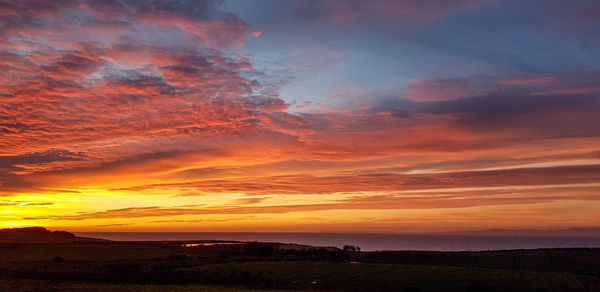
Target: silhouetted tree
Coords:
[(58, 260), (351, 248)]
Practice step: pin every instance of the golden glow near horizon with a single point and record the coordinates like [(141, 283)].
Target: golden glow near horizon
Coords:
[(124, 116)]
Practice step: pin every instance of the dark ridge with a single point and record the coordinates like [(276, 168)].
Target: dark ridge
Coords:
[(41, 235), (35, 230)]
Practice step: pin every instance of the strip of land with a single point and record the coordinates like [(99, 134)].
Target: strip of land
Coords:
[(38, 259)]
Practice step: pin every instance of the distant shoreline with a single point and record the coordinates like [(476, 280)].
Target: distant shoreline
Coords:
[(369, 242)]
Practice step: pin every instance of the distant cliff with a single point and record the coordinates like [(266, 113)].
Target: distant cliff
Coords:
[(40, 235)]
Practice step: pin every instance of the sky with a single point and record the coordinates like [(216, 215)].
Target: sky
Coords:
[(382, 116)]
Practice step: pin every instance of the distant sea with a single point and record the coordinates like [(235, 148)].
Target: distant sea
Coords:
[(368, 242)]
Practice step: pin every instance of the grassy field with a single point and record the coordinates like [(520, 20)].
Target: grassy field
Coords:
[(40, 285), (84, 265)]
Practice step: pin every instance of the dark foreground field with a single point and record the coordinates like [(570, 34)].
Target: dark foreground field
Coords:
[(58, 262)]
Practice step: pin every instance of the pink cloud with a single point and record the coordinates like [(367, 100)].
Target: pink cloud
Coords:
[(442, 89), (529, 79), (228, 34)]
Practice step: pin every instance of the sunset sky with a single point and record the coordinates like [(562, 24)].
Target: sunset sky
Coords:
[(385, 116)]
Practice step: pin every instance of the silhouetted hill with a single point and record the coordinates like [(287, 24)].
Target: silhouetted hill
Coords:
[(41, 235)]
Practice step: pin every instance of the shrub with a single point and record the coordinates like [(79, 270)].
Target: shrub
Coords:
[(58, 260), (351, 248)]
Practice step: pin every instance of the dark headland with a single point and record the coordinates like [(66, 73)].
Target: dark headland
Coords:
[(36, 259)]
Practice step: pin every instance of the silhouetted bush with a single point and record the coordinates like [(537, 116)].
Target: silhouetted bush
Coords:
[(58, 260), (351, 248), (260, 249)]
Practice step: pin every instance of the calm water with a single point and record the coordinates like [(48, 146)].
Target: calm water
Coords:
[(367, 242)]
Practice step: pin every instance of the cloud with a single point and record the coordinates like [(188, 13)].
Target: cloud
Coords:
[(140, 88), (552, 105), (424, 201), (388, 182), (21, 203), (249, 201), (198, 21), (575, 19), (153, 101), (530, 79), (443, 89), (25, 163)]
